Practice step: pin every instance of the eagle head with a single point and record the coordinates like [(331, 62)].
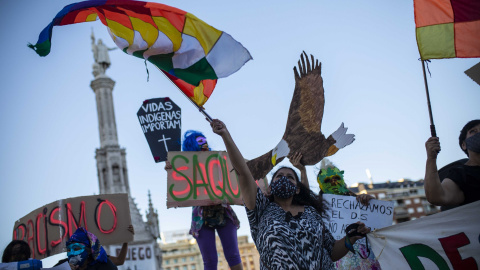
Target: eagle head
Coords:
[(281, 150)]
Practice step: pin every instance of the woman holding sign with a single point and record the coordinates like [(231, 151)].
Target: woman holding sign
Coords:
[(330, 180), (287, 226), (208, 219)]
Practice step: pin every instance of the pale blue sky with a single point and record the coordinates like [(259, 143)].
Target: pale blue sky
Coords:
[(372, 77)]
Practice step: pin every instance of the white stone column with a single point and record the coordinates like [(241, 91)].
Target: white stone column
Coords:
[(103, 87)]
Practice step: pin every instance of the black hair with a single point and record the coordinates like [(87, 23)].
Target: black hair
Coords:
[(463, 133), (306, 196), (16, 251)]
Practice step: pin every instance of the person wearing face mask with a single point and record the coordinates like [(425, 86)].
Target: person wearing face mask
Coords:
[(84, 252), (287, 223), (330, 180), (208, 219), (462, 183)]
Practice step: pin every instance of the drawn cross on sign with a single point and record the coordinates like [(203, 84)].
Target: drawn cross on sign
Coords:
[(161, 121), (164, 140)]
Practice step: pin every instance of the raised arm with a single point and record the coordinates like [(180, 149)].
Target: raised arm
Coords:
[(439, 193), (296, 161), (246, 182)]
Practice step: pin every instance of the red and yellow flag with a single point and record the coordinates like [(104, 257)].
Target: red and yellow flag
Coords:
[(447, 28)]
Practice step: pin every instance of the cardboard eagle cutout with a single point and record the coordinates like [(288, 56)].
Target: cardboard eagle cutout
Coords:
[(303, 131)]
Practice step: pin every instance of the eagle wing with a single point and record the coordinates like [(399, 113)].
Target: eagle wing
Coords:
[(302, 133), (308, 101)]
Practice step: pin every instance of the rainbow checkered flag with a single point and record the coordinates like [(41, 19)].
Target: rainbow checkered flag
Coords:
[(192, 53)]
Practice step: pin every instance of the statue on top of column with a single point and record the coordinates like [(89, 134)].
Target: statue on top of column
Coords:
[(100, 54)]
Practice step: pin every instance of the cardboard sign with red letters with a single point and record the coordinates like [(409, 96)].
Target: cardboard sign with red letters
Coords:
[(201, 178), (47, 228)]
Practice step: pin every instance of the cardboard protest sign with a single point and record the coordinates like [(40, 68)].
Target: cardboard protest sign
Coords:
[(446, 240), (48, 228), (161, 122), (201, 178), (138, 256), (346, 210)]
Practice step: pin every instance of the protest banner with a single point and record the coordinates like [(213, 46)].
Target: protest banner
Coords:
[(201, 178), (446, 240), (48, 228), (138, 256), (345, 210), (161, 122)]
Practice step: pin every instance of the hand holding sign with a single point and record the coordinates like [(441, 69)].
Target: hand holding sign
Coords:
[(364, 199), (168, 165)]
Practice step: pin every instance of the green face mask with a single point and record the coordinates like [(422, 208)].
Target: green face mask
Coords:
[(331, 181)]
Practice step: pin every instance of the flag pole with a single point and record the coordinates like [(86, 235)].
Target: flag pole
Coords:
[(432, 125), (200, 109)]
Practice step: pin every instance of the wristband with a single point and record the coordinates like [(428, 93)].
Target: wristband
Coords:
[(348, 244)]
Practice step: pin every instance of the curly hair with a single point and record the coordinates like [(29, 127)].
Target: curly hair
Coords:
[(16, 251), (190, 142), (306, 196)]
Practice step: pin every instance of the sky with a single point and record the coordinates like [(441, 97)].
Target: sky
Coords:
[(373, 83)]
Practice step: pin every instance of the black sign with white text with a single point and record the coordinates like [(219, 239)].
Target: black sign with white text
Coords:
[(161, 122)]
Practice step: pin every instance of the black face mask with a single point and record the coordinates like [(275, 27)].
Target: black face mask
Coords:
[(473, 143), (283, 188)]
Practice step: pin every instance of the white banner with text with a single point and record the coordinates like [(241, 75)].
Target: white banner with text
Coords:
[(446, 240), (345, 210)]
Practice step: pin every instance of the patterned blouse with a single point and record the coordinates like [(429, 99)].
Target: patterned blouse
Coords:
[(198, 220), (289, 242)]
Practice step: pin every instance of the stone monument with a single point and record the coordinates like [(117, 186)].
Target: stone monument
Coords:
[(112, 168)]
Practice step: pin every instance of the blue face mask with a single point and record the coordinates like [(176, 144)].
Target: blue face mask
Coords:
[(473, 143), (283, 188), (77, 254), (202, 143)]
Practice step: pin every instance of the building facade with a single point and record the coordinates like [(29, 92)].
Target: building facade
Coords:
[(182, 255), (408, 198)]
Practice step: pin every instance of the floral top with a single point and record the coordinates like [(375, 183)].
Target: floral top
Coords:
[(198, 219), (289, 242)]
